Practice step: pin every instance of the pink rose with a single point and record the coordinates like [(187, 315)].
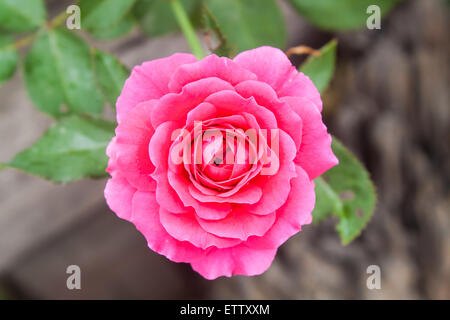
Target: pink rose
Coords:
[(222, 205)]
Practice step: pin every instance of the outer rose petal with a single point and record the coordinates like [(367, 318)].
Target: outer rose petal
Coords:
[(211, 66), (149, 81), (315, 155), (239, 260), (145, 216), (272, 66), (118, 195), (129, 149), (292, 215)]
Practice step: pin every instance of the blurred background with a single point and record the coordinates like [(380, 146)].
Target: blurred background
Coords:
[(389, 102)]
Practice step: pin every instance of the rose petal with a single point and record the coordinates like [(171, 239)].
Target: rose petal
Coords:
[(272, 66), (291, 216), (315, 155), (184, 227), (239, 260), (175, 106), (149, 81), (276, 188), (210, 66), (239, 224), (145, 216), (159, 155), (130, 147), (264, 95), (118, 195)]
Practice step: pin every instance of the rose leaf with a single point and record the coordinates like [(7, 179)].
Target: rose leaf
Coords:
[(110, 74), (346, 192), (58, 73), (341, 14), (8, 58), (22, 16), (320, 69), (73, 148)]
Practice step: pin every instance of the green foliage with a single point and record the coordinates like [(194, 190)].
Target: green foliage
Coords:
[(340, 14), (71, 149), (22, 15), (211, 27), (58, 72), (156, 18), (121, 28), (321, 69), (106, 18), (110, 75), (346, 192), (247, 24), (8, 58)]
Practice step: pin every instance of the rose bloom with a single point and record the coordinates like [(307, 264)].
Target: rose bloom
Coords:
[(213, 160)]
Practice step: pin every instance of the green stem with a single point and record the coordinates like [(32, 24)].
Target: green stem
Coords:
[(187, 29)]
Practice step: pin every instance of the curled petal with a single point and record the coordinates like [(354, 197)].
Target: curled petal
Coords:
[(184, 227), (239, 260), (175, 106), (239, 224), (159, 155), (315, 155), (118, 195), (210, 66), (273, 67), (295, 213), (145, 216), (149, 81)]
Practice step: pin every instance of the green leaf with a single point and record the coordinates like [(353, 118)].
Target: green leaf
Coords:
[(346, 192), (121, 28), (8, 58), (248, 24), (73, 148), (340, 14), (100, 15), (156, 17), (110, 75), (58, 72), (22, 15), (209, 24), (321, 69)]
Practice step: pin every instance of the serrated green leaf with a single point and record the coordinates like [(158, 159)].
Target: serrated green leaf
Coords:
[(100, 15), (346, 192), (321, 69), (340, 14), (110, 75), (22, 15), (58, 72), (73, 148), (123, 27), (155, 17), (248, 24), (8, 58)]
